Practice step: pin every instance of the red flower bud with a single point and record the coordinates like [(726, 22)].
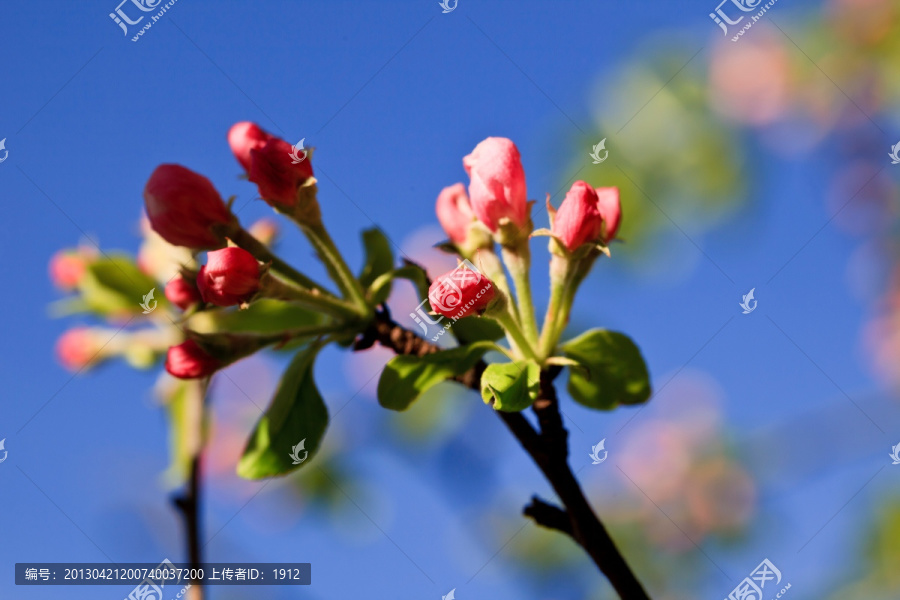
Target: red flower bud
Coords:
[(497, 187), (460, 293), (183, 207), (244, 137), (182, 293), (77, 348), (188, 360), (578, 219), (611, 211), (454, 212), (67, 267), (273, 170), (230, 276)]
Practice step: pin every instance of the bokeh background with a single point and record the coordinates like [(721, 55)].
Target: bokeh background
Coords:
[(758, 164)]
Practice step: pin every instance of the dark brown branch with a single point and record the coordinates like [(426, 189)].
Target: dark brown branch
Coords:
[(548, 515), (188, 504), (549, 450)]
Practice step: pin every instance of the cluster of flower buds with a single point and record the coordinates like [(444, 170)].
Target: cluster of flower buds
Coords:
[(497, 210)]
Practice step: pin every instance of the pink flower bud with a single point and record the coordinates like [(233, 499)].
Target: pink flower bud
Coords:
[(77, 348), (611, 211), (578, 219), (460, 293), (455, 213), (278, 177), (183, 207), (244, 137), (230, 276), (67, 267), (189, 361), (497, 187), (182, 293)]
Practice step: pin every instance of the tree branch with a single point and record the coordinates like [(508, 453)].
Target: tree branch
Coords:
[(549, 450), (188, 504)]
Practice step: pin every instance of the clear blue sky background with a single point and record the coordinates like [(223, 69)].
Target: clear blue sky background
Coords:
[(392, 95)]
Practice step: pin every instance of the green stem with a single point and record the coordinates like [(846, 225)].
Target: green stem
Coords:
[(518, 261), (337, 267), (243, 239), (514, 334), (566, 276)]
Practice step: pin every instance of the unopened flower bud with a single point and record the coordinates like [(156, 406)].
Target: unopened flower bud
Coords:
[(276, 174), (67, 267), (189, 361), (611, 210), (184, 208), (578, 220), (244, 137), (230, 276), (497, 188), (182, 292), (461, 292), (78, 348)]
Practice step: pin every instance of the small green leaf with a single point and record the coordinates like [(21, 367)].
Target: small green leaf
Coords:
[(511, 386), (476, 329), (416, 275), (115, 284), (405, 377), (293, 425), (616, 372), (379, 257)]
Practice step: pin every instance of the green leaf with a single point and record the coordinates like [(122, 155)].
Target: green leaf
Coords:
[(476, 329), (115, 284), (379, 257), (416, 275), (405, 378), (266, 316), (511, 387), (297, 415), (616, 372)]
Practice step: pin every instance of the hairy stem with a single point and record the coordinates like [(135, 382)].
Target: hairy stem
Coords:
[(518, 260)]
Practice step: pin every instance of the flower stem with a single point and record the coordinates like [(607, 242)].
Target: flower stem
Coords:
[(514, 334), (337, 267), (518, 260)]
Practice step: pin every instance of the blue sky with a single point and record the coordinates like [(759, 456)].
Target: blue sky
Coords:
[(392, 95)]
